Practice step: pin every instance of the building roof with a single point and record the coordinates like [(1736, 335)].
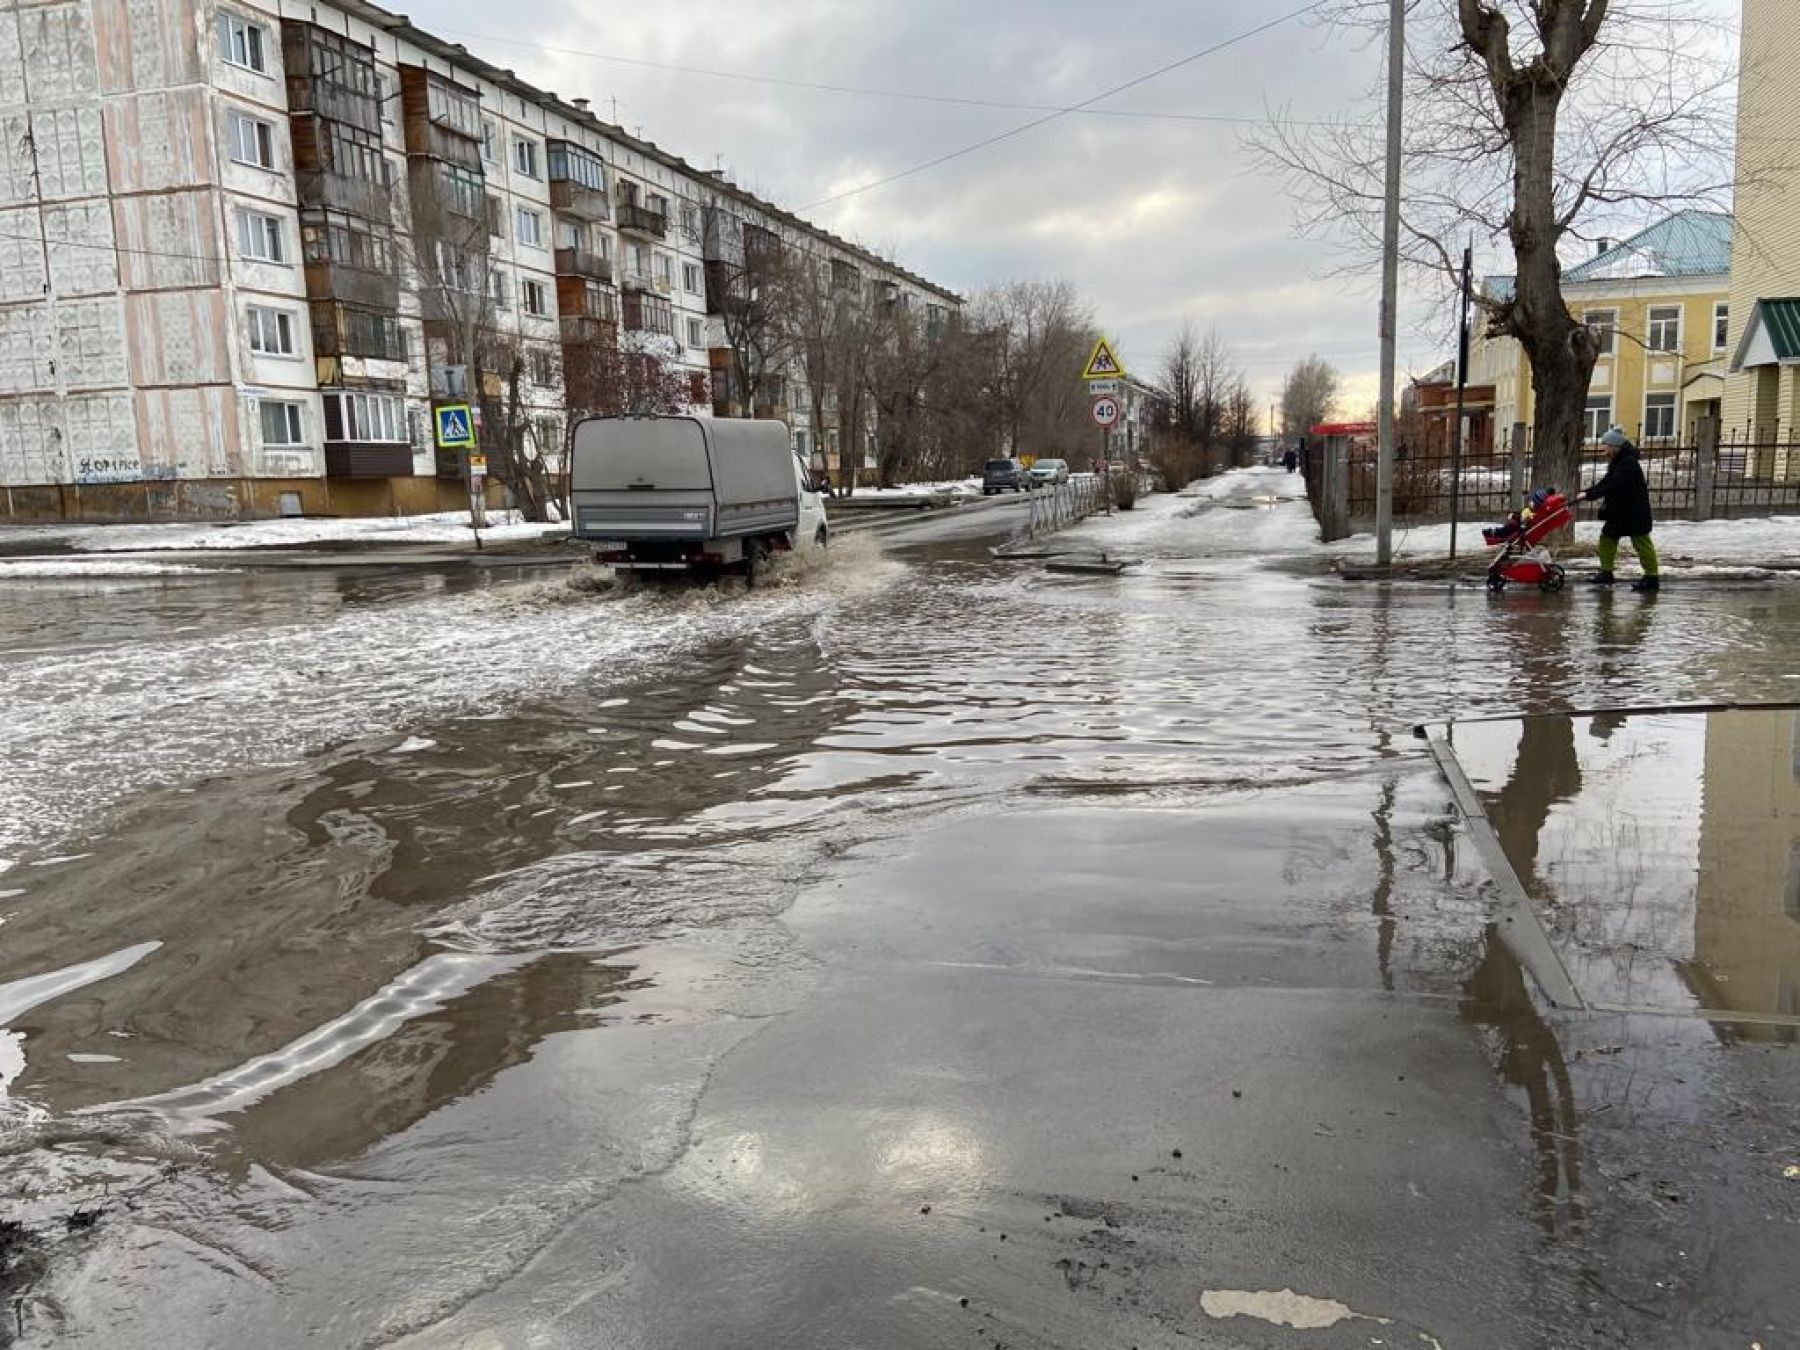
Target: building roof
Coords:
[(1686, 244), (1771, 336)]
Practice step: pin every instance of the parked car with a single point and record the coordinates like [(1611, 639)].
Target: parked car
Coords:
[(1049, 472), (1001, 475)]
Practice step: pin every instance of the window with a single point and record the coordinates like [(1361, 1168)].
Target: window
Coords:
[(252, 141), (535, 299), (664, 271), (542, 364), (453, 108), (1721, 325), (656, 203), (525, 157), (271, 331), (280, 424), (695, 335), (637, 261), (690, 220), (351, 152), (1659, 417), (496, 217), (261, 238), (690, 278), (464, 191), (1665, 328), (1603, 322), (350, 241), (528, 227), (1599, 416), (490, 141), (364, 417), (498, 291), (571, 234), (242, 43), (549, 434), (572, 163)]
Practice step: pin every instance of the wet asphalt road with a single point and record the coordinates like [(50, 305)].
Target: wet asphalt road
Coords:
[(924, 952)]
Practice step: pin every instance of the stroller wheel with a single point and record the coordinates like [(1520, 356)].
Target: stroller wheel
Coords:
[(1554, 577), (1496, 582)]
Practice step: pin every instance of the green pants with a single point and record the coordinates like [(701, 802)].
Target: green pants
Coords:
[(1646, 551)]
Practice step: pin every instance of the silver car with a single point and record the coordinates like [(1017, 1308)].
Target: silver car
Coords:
[(1048, 472)]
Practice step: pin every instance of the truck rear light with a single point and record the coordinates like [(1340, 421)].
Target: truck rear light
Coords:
[(707, 559), (617, 555)]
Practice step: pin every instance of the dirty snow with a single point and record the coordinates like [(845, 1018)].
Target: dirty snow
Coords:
[(450, 527), (77, 569), (1282, 1308)]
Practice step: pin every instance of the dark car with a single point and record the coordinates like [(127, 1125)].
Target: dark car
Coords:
[(1001, 475)]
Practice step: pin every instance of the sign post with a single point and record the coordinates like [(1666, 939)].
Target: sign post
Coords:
[(1105, 377), (454, 425)]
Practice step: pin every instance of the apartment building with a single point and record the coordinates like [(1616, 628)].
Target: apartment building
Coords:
[(246, 246), (1659, 303)]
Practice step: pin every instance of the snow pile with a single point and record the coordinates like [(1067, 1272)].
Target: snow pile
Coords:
[(66, 569), (450, 527), (955, 487)]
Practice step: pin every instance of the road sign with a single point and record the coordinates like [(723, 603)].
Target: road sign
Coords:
[(1103, 363), (477, 464), (1106, 411), (1099, 387), (455, 426)]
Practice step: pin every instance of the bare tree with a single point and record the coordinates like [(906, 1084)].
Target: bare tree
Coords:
[(1308, 395), (1541, 122), (460, 298), (1040, 333)]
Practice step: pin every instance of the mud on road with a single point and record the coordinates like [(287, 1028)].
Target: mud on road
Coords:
[(388, 962)]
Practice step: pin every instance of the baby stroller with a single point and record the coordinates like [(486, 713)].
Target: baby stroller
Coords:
[(1520, 538)]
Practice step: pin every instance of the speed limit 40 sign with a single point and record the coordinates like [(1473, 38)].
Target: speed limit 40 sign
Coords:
[(1106, 411)]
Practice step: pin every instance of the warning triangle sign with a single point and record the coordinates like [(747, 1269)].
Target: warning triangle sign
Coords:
[(1103, 364)]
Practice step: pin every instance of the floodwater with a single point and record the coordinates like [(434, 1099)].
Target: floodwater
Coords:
[(401, 962)]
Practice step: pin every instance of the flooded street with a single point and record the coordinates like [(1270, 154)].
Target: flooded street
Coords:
[(924, 950)]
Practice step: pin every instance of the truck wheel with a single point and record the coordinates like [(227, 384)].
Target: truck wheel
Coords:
[(753, 561)]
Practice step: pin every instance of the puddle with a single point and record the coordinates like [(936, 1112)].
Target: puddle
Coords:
[(1662, 852)]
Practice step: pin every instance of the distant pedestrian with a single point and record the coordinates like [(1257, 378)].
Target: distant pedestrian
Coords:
[(1625, 512), (1291, 459)]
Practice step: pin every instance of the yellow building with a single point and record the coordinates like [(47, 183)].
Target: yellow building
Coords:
[(1659, 302), (1762, 392)]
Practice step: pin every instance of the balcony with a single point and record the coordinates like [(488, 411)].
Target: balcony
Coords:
[(585, 330), (581, 202), (349, 459), (333, 191), (578, 262), (352, 286), (649, 314), (641, 220), (341, 331)]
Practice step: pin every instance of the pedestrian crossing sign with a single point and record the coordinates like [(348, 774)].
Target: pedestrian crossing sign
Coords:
[(1103, 364), (455, 427)]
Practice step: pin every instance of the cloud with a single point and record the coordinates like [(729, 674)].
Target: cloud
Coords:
[(1156, 221)]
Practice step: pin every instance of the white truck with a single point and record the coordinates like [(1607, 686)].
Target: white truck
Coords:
[(692, 493)]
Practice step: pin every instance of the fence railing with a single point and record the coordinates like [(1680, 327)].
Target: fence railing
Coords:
[(1699, 479), (1052, 508)]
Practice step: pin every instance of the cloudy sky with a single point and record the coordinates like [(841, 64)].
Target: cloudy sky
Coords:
[(1156, 220)]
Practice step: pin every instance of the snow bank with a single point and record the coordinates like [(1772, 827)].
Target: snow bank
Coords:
[(63, 569), (442, 528), (1774, 540)]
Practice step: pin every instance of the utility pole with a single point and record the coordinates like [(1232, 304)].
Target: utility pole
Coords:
[(1462, 384), (1390, 284)]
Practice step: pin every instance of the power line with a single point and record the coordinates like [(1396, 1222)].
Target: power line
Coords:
[(863, 91), (1049, 117)]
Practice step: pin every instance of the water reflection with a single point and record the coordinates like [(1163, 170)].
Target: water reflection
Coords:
[(1664, 851), (1498, 1000)]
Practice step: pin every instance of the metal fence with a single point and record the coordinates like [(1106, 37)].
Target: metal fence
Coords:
[(1054, 507), (1702, 478)]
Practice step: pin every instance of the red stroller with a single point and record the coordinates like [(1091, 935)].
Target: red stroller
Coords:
[(1520, 539)]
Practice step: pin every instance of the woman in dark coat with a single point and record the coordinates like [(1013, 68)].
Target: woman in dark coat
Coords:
[(1625, 511)]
